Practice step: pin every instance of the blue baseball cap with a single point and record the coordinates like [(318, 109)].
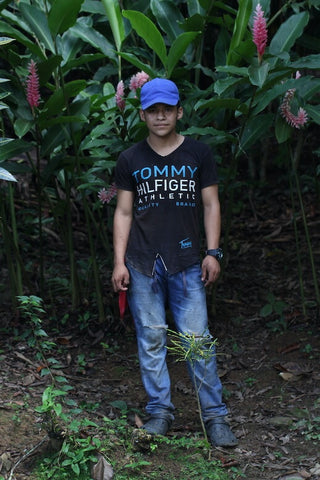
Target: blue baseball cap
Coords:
[(159, 90)]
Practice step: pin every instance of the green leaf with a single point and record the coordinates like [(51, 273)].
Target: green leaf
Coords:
[(258, 74), (46, 68), (194, 8), (21, 38), (63, 119), (168, 16), (288, 33), (22, 126), (178, 48), (37, 21), (13, 149), (239, 31), (113, 11), (216, 136), (63, 15), (6, 40), (223, 84), (218, 103), (233, 70), (314, 112), (137, 63), (266, 310), (147, 30), (82, 60), (5, 175), (283, 131), (57, 102), (84, 31), (255, 128), (54, 137), (120, 404), (311, 61)]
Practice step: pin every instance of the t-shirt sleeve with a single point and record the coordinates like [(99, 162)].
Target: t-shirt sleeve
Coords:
[(208, 170), (123, 178)]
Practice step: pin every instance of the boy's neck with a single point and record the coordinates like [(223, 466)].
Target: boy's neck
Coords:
[(165, 145)]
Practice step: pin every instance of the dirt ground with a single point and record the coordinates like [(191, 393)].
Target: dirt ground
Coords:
[(269, 365)]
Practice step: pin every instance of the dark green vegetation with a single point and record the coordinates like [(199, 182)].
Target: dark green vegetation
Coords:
[(55, 234)]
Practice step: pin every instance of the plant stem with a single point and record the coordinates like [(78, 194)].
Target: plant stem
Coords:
[(297, 246), (294, 163)]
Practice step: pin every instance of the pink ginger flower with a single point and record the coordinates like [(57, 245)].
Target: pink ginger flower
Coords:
[(293, 120), (33, 93), (120, 101), (138, 80), (260, 32), (105, 196), (298, 120)]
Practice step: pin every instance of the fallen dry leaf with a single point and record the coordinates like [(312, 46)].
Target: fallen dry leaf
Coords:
[(288, 376), (5, 462), (294, 368), (137, 420), (316, 469), (102, 470)]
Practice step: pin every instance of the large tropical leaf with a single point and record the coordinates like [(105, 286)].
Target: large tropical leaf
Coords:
[(5, 175), (178, 48), (194, 8), (314, 112), (6, 40), (139, 64), (288, 33), (256, 128), (147, 30), (57, 102), (63, 15), (258, 74), (311, 61), (38, 23), (112, 8), (168, 17), (239, 31), (12, 149), (218, 103), (89, 35), (7, 29)]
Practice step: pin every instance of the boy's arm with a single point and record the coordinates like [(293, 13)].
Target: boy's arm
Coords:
[(121, 230), (212, 225)]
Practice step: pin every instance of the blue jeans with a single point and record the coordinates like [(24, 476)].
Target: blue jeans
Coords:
[(185, 295)]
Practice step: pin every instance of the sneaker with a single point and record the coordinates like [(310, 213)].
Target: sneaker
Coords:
[(157, 426), (219, 433), (142, 437)]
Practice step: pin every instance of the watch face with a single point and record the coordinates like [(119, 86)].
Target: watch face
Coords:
[(219, 254), (216, 252)]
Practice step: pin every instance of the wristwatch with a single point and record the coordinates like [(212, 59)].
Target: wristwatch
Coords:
[(216, 252)]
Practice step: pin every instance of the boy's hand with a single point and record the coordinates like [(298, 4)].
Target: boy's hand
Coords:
[(210, 270), (120, 278)]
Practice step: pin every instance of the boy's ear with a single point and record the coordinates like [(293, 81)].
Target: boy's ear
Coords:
[(142, 116), (179, 113)]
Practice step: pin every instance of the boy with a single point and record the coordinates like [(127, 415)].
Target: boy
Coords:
[(162, 182)]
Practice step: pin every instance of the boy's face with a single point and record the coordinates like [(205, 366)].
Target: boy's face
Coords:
[(161, 119)]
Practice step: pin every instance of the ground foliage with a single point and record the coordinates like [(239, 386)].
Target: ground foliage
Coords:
[(268, 361)]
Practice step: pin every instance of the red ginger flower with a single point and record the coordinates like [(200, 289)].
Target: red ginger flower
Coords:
[(33, 93), (260, 32), (298, 120), (138, 80), (120, 101), (105, 196)]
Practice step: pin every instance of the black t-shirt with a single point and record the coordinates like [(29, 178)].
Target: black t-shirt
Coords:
[(166, 202)]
